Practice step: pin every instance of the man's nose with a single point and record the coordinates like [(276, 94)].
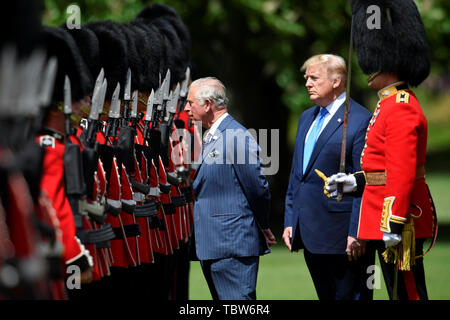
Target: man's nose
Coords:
[(308, 83)]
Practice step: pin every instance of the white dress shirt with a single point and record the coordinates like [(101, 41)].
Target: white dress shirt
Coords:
[(210, 133), (331, 108)]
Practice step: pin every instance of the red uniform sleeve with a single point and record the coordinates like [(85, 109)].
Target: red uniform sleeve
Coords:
[(401, 124)]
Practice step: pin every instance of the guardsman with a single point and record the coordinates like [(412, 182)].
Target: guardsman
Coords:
[(30, 240), (52, 138), (85, 189), (396, 205)]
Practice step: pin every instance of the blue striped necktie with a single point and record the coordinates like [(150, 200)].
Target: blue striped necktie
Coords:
[(312, 138)]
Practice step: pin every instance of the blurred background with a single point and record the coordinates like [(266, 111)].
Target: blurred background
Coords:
[(256, 47)]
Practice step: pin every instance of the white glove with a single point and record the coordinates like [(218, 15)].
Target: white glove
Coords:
[(391, 239), (348, 180)]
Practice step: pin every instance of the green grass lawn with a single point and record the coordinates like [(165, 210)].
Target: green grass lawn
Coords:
[(284, 276), (439, 184)]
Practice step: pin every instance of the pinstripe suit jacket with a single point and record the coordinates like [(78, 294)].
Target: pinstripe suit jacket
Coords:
[(232, 198)]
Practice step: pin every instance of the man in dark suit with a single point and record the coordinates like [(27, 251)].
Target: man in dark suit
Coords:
[(323, 227), (232, 199)]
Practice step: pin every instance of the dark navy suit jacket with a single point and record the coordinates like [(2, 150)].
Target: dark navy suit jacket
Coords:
[(319, 223), (232, 199)]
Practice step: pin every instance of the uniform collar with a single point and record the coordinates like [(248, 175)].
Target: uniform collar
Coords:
[(392, 89), (54, 133)]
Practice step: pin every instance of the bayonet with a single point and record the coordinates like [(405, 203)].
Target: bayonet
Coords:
[(150, 103), (98, 100), (29, 71), (48, 82), (157, 102), (102, 97), (114, 109), (98, 85), (168, 106), (172, 108), (166, 87), (67, 96), (127, 91), (126, 98), (8, 67), (163, 98), (184, 84), (184, 91), (114, 114), (67, 106), (149, 113), (134, 105), (175, 98)]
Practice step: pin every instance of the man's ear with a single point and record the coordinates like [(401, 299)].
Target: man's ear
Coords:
[(208, 105), (337, 82)]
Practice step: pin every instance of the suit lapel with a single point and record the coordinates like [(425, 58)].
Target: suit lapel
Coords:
[(335, 122), (222, 127)]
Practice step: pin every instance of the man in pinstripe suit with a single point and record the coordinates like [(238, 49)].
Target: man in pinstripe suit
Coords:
[(232, 199)]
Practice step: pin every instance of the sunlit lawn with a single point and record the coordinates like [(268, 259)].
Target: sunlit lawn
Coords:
[(284, 276)]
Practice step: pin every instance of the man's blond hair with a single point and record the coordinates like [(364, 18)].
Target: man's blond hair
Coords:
[(335, 65)]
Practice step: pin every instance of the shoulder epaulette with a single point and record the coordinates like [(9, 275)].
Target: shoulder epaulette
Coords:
[(47, 141), (402, 96)]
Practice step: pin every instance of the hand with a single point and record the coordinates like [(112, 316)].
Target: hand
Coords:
[(348, 180), (269, 237), (391, 239), (355, 248), (287, 237), (86, 276)]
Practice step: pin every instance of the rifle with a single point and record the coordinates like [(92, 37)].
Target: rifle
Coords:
[(340, 186)]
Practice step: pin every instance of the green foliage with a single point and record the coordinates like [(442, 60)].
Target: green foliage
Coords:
[(281, 34)]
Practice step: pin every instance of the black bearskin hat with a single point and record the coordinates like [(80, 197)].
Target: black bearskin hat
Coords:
[(175, 34), (113, 52), (20, 25), (89, 48), (150, 55), (59, 43), (399, 44)]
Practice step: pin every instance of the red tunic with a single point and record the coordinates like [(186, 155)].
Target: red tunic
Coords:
[(52, 183), (396, 143)]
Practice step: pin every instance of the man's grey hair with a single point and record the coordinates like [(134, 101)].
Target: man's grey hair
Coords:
[(213, 89)]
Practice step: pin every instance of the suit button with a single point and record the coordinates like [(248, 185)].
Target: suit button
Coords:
[(303, 183)]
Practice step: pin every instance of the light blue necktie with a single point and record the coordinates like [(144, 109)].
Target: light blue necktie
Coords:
[(312, 138)]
